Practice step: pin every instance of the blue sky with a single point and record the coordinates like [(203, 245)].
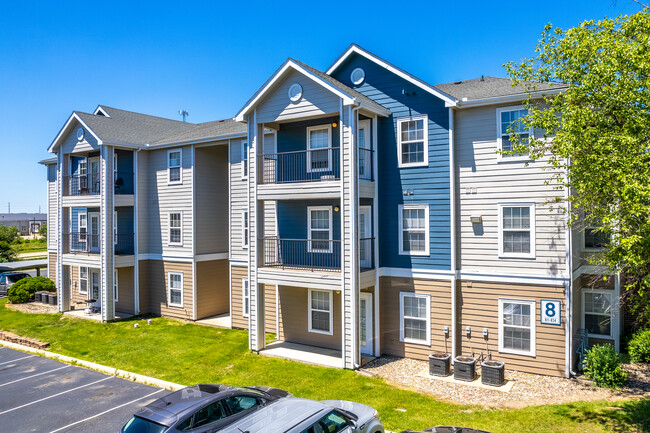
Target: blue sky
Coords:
[(209, 58)]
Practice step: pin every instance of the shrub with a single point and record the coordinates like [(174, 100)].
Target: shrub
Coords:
[(604, 367), (639, 346), (23, 290), (19, 294)]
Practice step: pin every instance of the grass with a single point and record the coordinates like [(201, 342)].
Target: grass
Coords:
[(30, 246), (187, 353)]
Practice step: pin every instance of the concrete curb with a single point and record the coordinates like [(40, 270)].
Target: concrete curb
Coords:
[(145, 380)]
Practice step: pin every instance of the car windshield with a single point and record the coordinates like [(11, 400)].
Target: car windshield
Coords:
[(141, 425), (16, 277)]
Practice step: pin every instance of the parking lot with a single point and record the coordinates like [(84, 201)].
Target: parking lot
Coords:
[(42, 395)]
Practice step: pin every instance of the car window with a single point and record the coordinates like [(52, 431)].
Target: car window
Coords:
[(211, 413), (2, 279), (141, 425), (185, 425), (15, 278), (240, 403), (333, 422)]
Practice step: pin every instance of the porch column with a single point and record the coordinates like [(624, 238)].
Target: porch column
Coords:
[(107, 250)]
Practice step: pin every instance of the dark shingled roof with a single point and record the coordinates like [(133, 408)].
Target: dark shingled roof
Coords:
[(206, 130), (490, 87)]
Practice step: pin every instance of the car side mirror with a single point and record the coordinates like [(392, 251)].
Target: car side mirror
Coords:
[(352, 424)]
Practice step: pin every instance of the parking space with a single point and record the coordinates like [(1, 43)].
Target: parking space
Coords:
[(42, 395)]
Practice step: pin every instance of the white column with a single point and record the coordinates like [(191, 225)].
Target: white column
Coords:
[(107, 251)]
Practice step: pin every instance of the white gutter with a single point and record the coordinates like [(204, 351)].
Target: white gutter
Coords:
[(464, 103), (569, 291), (452, 212), (343, 354)]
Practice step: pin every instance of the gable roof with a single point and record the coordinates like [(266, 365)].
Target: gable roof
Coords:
[(349, 95), (204, 131), (356, 49)]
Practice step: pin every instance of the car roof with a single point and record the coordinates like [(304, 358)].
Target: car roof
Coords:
[(177, 405), (281, 416)]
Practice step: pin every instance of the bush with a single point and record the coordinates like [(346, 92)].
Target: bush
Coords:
[(24, 289), (639, 346), (19, 295), (604, 367)]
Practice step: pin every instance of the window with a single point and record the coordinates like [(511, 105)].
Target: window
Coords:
[(517, 230), (415, 318), (414, 230), (240, 403), (83, 230), (245, 229), (175, 228), (209, 414), (115, 286), (175, 281), (413, 141), (333, 422), (319, 146), (517, 327), (320, 229), (246, 297), (511, 118), (594, 238), (83, 280), (597, 308), (115, 227), (244, 160), (174, 171), (114, 167), (320, 311)]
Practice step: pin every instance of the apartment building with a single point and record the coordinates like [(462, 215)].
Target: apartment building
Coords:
[(359, 210)]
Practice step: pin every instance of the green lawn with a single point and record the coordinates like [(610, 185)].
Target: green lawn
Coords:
[(187, 354)]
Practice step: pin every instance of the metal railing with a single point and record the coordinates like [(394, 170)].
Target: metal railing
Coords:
[(124, 244), (87, 243), (302, 253), (90, 184), (301, 166), (123, 182), (366, 165)]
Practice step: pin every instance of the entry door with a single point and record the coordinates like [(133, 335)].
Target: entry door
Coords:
[(365, 155), (365, 323), (365, 237), (94, 232), (94, 175), (95, 287)]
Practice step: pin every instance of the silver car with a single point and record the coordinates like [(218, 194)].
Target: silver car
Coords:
[(299, 415)]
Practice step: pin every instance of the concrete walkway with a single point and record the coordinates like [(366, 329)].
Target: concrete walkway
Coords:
[(304, 353)]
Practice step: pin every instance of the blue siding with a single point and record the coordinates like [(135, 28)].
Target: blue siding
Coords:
[(124, 178), (430, 184), (125, 244)]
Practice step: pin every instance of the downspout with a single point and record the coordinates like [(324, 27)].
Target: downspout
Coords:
[(343, 354), (452, 212), (569, 290)]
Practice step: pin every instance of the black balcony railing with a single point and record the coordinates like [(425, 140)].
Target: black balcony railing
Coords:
[(123, 183), (124, 244), (90, 184), (301, 166), (302, 253), (87, 243)]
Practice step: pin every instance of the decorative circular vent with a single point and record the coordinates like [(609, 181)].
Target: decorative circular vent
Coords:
[(80, 134), (357, 76), (295, 92)]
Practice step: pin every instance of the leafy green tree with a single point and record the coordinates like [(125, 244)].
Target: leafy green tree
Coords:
[(8, 235), (597, 135), (42, 230)]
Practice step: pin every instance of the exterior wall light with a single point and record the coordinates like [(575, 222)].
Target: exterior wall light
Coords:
[(476, 219), (336, 208)]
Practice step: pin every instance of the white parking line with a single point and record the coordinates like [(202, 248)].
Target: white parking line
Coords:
[(33, 375), (55, 395), (105, 412), (14, 360)]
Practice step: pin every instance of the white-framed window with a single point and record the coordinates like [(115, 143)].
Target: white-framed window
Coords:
[(175, 228), (413, 141), (82, 219), (246, 297), (319, 223), (115, 286), (245, 228), (115, 227), (517, 230), (321, 319), (517, 326), (511, 118), (319, 147), (174, 170), (244, 160), (83, 280), (597, 312), (175, 289), (114, 166), (413, 229), (593, 239), (415, 318)]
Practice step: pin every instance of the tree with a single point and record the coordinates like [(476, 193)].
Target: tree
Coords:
[(42, 230), (8, 235), (600, 129)]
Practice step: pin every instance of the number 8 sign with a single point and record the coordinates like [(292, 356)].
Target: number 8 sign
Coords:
[(551, 313)]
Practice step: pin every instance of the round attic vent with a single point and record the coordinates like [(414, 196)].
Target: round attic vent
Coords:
[(357, 76), (80, 134), (295, 92)]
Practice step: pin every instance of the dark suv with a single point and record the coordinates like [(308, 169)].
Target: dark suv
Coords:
[(201, 408), (7, 279)]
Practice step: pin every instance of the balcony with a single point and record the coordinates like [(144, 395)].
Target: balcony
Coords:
[(89, 184), (301, 166), (87, 243)]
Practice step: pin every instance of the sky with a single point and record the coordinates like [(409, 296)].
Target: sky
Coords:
[(209, 57)]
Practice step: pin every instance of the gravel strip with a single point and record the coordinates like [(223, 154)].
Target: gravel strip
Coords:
[(528, 389), (33, 307)]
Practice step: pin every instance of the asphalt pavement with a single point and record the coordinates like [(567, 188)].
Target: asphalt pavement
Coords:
[(43, 395)]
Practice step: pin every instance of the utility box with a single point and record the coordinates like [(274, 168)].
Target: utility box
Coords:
[(439, 364), (465, 368)]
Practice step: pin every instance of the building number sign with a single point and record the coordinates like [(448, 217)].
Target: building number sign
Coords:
[(551, 313)]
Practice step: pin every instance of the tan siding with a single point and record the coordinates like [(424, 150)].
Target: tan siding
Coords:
[(238, 201), (212, 288), (211, 199), (270, 308), (125, 289), (588, 281), (440, 293), (237, 318), (77, 299), (154, 274), (478, 306), (51, 266), (144, 288), (295, 319)]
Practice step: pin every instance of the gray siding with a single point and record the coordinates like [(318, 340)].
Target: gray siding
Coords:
[(211, 195), (72, 145), (483, 182)]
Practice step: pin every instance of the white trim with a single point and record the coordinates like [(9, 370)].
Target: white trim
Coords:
[(533, 325), (499, 137), (87, 279), (612, 316), (169, 289), (330, 312), (115, 286), (427, 218), (309, 229), (519, 97), (79, 227), (115, 232), (53, 146), (590, 269), (246, 298), (194, 272), (395, 70), (427, 298), (425, 139), (169, 228), (539, 279), (533, 247), (179, 166), (370, 333), (244, 159), (309, 130), (99, 109), (245, 229), (583, 247)]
